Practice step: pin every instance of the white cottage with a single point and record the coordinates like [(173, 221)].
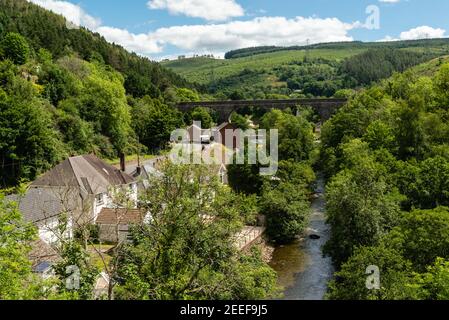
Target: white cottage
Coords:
[(74, 193)]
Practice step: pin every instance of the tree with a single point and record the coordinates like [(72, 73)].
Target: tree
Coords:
[(412, 261), (237, 95), (296, 140), (202, 114), (14, 47), (287, 209), (187, 250), (434, 183), (239, 121), (394, 275), (139, 86), (434, 283), (103, 101), (409, 133), (379, 63), (441, 82), (425, 184), (405, 118), (29, 144), (58, 83), (245, 178), (300, 174), (16, 278), (78, 135), (75, 262), (344, 94), (361, 207), (423, 236), (187, 95), (153, 122), (380, 135)]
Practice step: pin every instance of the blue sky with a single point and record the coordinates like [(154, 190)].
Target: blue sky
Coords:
[(167, 28)]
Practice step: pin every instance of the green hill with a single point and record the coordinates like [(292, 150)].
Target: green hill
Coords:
[(204, 70), (44, 29), (66, 92), (435, 43), (431, 67), (319, 70)]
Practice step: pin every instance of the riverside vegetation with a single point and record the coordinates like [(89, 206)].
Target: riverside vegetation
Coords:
[(385, 154)]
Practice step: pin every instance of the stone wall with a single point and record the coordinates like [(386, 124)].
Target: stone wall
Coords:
[(108, 233)]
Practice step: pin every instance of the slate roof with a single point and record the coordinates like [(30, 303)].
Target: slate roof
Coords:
[(120, 216), (63, 188), (147, 170), (87, 172), (39, 204)]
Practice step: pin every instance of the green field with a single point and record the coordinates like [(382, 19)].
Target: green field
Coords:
[(205, 70), (321, 71), (430, 68)]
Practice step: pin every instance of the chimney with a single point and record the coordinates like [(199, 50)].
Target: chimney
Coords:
[(122, 162)]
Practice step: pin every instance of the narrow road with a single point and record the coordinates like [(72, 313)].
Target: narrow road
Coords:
[(301, 267)]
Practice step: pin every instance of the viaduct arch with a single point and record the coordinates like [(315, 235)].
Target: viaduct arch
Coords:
[(324, 107)]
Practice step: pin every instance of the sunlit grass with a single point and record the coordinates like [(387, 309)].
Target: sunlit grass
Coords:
[(98, 255), (203, 70)]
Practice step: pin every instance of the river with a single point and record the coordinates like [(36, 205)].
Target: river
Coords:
[(302, 270)]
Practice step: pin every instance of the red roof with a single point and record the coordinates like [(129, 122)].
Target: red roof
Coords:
[(120, 216)]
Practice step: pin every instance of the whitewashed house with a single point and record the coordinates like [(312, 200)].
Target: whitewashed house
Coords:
[(73, 194)]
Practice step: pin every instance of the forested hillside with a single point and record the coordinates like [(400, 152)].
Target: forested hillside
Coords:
[(315, 71), (434, 43), (387, 158), (67, 91), (377, 64), (44, 29)]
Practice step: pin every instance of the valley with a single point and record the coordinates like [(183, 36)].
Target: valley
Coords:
[(124, 178)]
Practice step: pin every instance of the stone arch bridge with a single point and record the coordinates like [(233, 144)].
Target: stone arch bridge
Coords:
[(324, 107)]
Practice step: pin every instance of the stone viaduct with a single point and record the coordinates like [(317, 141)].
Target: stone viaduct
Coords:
[(324, 107)]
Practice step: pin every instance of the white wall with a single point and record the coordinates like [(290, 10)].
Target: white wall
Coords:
[(107, 203), (108, 199), (49, 231)]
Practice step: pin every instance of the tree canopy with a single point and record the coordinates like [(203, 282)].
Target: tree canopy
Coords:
[(386, 156), (187, 250)]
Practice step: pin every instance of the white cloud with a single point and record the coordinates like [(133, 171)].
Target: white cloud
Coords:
[(70, 11), (140, 43), (214, 38), (422, 32), (387, 39), (212, 10), (390, 1), (256, 32)]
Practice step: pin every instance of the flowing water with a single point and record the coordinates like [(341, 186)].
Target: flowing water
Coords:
[(302, 270)]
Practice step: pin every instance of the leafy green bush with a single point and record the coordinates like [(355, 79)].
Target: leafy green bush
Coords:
[(15, 48)]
